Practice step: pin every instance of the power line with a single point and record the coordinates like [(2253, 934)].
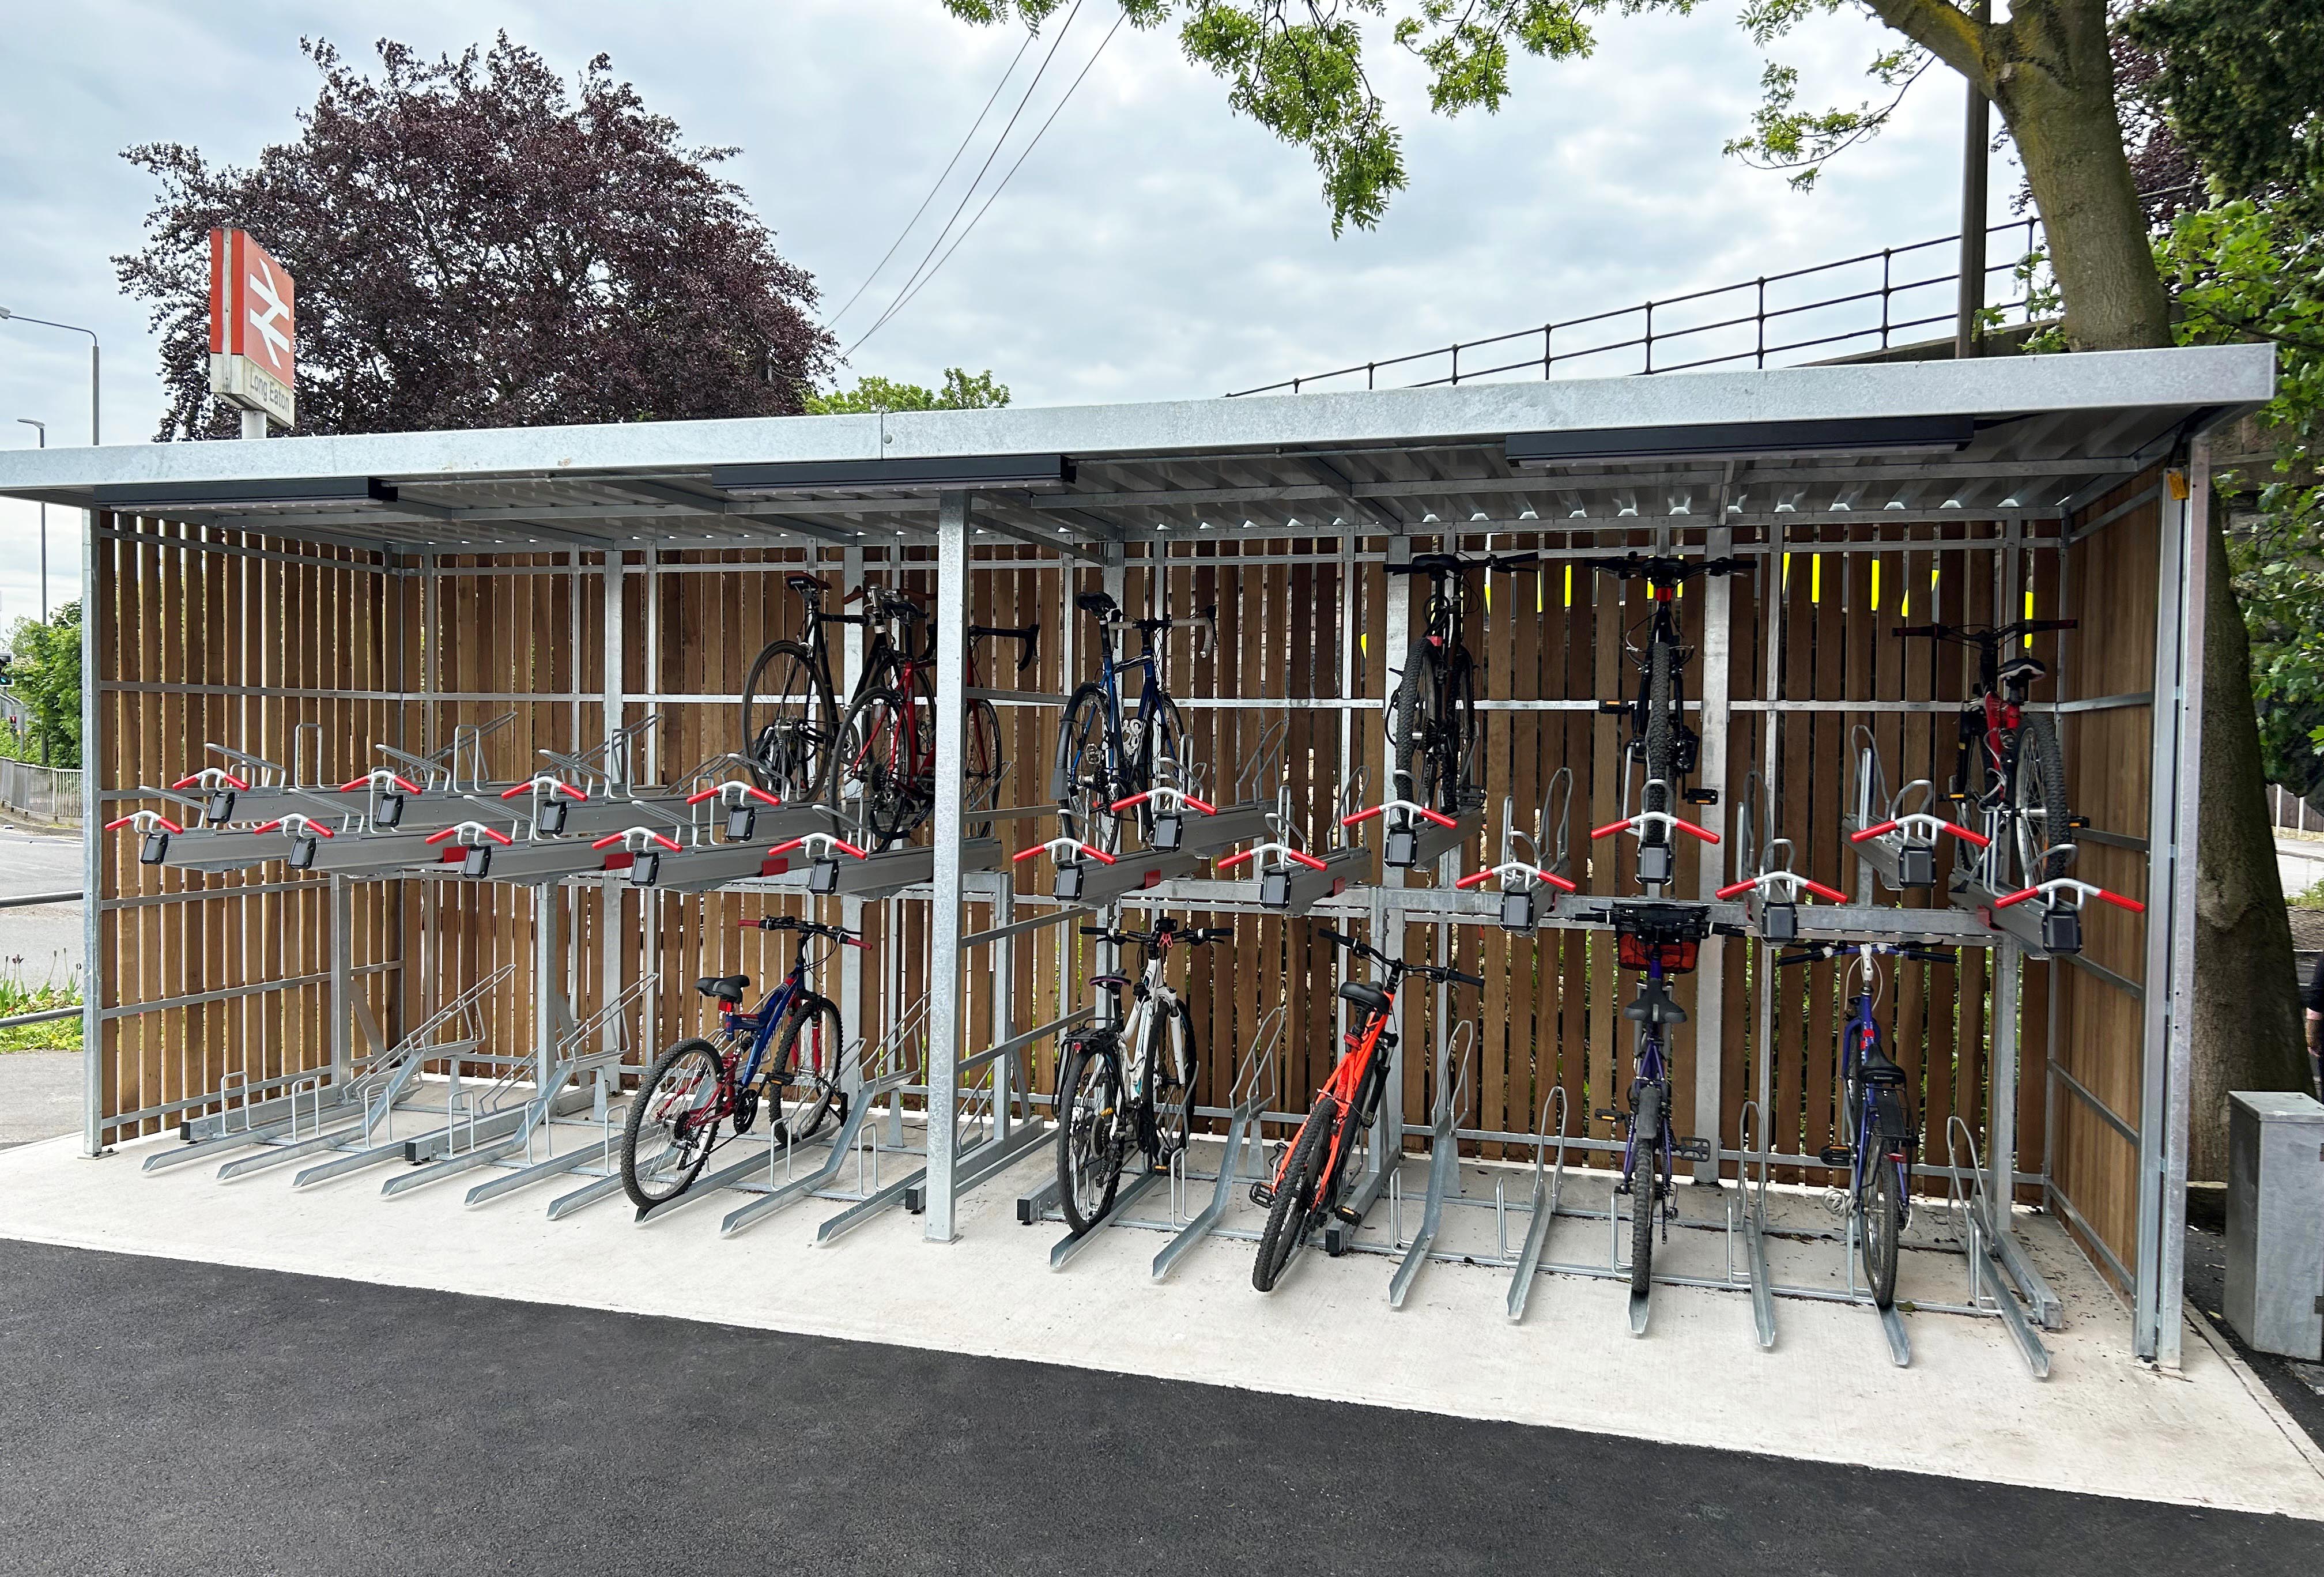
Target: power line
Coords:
[(1014, 61), (999, 144), (914, 290)]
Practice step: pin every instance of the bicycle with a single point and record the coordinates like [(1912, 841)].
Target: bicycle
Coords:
[(1660, 738), (1129, 1083), (2010, 764), (1105, 758), (1308, 1183), (699, 1086), (1659, 940), (1432, 726), (1875, 1113)]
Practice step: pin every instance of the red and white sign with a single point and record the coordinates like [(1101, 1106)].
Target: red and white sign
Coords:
[(252, 341)]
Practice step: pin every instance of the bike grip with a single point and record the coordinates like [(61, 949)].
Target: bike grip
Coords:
[(1517, 561), (2039, 626), (1466, 979), (1915, 630), (1732, 888), (1809, 956), (1930, 954), (1872, 832), (1337, 938), (1031, 648), (1090, 930)]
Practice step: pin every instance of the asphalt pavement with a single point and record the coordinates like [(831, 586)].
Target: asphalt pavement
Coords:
[(161, 1415)]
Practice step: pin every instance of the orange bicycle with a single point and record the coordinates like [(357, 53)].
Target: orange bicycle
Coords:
[(1313, 1175)]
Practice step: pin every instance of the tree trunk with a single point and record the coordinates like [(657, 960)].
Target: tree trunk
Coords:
[(2247, 1029)]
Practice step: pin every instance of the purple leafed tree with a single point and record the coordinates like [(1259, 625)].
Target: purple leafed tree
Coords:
[(477, 244)]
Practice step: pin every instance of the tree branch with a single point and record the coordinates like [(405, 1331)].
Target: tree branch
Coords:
[(1944, 29)]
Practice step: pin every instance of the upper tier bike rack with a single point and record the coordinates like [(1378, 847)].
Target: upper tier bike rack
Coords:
[(1521, 874), (1895, 836), (1093, 879), (1414, 836), (2053, 929)]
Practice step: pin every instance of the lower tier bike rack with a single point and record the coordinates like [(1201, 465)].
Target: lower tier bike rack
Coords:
[(1444, 1157)]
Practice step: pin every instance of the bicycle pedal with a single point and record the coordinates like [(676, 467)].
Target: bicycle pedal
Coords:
[(1610, 1114), (1346, 1217), (1835, 1155), (1261, 1196), (1691, 1149)]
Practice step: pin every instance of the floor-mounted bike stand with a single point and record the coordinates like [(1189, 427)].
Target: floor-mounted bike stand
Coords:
[(1452, 1074), (1989, 1286), (1256, 1087)]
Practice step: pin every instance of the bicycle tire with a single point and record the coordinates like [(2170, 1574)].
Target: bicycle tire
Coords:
[(1165, 730), (642, 1182), (1173, 1122), (788, 720), (1645, 1172), (983, 764), (1882, 1211), (1287, 1217), (1413, 727), (1662, 737), (1089, 1155), (2039, 790), (1081, 784), (873, 768), (808, 1058), (1468, 735)]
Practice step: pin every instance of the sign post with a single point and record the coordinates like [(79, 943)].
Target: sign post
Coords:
[(252, 332)]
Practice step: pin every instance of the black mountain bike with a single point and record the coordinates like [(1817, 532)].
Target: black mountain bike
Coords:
[(1106, 755), (792, 731), (1432, 718), (2010, 766), (1128, 1083), (1661, 741)]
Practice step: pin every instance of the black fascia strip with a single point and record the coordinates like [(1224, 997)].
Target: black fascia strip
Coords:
[(1737, 439), (308, 491), (914, 476)]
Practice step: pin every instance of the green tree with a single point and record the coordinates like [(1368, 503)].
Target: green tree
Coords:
[(1298, 68), (961, 391), (44, 674)]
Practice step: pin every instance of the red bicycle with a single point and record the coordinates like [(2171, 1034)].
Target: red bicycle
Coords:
[(1313, 1175), (2010, 766)]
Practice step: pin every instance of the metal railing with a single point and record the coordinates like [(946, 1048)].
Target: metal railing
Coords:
[(42, 793), (1880, 297), (2290, 812)]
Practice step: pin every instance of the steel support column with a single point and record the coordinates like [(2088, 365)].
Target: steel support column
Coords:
[(93, 751), (851, 908), (341, 989), (1717, 644), (950, 624)]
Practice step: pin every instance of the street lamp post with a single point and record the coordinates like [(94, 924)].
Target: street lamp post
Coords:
[(95, 427), (42, 428)]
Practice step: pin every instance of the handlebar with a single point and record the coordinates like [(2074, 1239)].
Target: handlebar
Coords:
[(1921, 822), (1664, 571), (1791, 877), (809, 928), (1029, 636), (1821, 951), (1166, 934), (1449, 564), (1986, 635), (1440, 972)]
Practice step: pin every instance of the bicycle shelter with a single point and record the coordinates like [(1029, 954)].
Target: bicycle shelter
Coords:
[(493, 607)]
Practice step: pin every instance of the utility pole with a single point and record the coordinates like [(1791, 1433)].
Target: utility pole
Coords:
[(1977, 134)]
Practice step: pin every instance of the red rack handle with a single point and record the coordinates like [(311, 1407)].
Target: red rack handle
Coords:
[(752, 790), (1141, 796), (1309, 861), (1958, 830), (565, 788), (1704, 833), (1872, 832), (2116, 899), (158, 820), (1608, 830), (1821, 890), (1229, 863), (401, 782), (1479, 880), (193, 778), (501, 838), (672, 845), (1021, 855), (836, 842), (1439, 817), (315, 827), (1732, 888)]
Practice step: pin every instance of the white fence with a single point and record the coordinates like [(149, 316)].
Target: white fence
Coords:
[(39, 792)]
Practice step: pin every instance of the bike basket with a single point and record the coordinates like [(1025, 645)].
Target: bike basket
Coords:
[(1676, 957)]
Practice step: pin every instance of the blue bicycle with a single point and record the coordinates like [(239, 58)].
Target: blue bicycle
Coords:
[(1876, 1112), (1659, 940), (700, 1086), (1104, 757)]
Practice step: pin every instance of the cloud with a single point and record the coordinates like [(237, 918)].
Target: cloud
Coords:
[(1152, 247)]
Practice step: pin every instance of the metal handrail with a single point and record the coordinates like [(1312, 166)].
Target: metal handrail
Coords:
[(1889, 325)]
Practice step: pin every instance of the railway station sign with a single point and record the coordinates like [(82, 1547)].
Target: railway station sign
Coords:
[(253, 340)]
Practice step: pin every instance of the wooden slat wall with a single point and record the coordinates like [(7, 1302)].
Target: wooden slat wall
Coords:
[(1548, 1020)]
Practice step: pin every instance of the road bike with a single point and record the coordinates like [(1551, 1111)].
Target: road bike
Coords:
[(1660, 941), (877, 761), (1876, 1112), (1307, 1185), (1661, 740), (1432, 722), (1107, 755), (1127, 1083), (2010, 766), (700, 1086)]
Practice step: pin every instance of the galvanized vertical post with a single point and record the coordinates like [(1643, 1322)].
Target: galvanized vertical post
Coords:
[(1388, 912), (2001, 1088), (547, 967), (615, 677), (95, 750), (1718, 641), (851, 908), (950, 624), (342, 987)]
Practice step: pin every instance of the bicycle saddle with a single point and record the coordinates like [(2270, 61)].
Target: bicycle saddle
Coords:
[(1654, 1007), (1365, 995), (1880, 1069), (726, 988), (1117, 982), (2024, 665), (1097, 603), (798, 582)]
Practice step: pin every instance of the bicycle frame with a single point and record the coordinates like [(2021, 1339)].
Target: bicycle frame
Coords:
[(1862, 1031), (1110, 667), (1357, 1083), (1654, 1068)]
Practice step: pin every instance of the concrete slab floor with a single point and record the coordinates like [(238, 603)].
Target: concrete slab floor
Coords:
[(39, 1095), (1965, 1409)]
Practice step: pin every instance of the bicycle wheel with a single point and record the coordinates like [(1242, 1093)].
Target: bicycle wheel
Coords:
[(1413, 727), (1466, 734), (2038, 800), (1170, 1074), (1662, 737), (1882, 1209), (673, 1123), (803, 1087), (788, 721), (1083, 786), (1159, 757), (1089, 1147), (1645, 1172), (1295, 1196), (981, 762), (873, 780)]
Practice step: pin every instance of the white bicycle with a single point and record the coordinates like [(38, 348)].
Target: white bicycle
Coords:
[(1127, 1084)]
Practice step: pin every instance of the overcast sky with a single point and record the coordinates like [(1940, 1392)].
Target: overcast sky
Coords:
[(1152, 246)]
